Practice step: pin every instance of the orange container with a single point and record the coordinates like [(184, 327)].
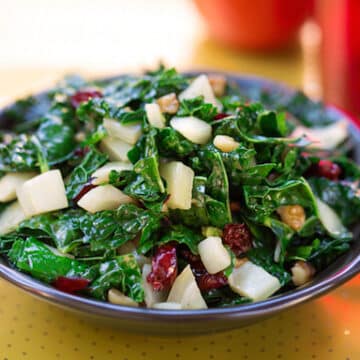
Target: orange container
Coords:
[(255, 24)]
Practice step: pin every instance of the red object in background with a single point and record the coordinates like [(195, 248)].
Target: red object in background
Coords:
[(340, 24), (255, 24)]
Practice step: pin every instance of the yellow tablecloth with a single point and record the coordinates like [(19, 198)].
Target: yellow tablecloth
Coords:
[(35, 50), (327, 328)]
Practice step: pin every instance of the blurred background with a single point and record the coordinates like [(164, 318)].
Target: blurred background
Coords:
[(40, 40)]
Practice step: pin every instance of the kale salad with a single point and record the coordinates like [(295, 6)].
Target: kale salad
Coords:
[(174, 191)]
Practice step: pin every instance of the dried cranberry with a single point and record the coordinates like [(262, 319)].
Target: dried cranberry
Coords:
[(220, 116), (164, 267), (189, 256), (85, 189), (83, 96), (238, 237), (327, 169), (208, 281), (81, 152), (70, 285), (205, 280)]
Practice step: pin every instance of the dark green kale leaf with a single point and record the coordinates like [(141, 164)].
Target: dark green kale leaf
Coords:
[(217, 186), (122, 178), (243, 157), (95, 136), (343, 197), (61, 229), (283, 234), (223, 297), (311, 227), (254, 175), (21, 154), (247, 117), (109, 229), (81, 174), (34, 257), (57, 140), (198, 108), (197, 215), (122, 273), (52, 143), (262, 201), (93, 111), (310, 113), (165, 81), (172, 144), (148, 185), (134, 91), (244, 129), (288, 160), (182, 235), (325, 251), (7, 241), (91, 235), (25, 114), (301, 252), (216, 198), (272, 124)]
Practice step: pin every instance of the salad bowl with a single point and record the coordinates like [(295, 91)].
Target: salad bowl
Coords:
[(156, 321)]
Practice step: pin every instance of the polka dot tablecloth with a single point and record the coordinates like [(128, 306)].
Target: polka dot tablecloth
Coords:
[(327, 328)]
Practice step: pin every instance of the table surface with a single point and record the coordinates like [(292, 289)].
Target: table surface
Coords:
[(96, 40)]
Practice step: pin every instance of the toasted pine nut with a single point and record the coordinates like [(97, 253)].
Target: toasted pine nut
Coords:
[(292, 215), (225, 143), (302, 272), (168, 103)]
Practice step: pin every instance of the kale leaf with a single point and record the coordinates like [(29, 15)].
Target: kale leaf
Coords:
[(81, 174), (198, 108), (343, 197), (36, 258), (123, 273)]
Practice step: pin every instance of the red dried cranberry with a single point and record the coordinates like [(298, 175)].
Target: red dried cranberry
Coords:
[(83, 96), (205, 280), (220, 116), (70, 285), (208, 281), (238, 237), (164, 267), (86, 188), (327, 169), (81, 152), (189, 256)]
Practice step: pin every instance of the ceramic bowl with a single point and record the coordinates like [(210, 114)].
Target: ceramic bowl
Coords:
[(201, 321)]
